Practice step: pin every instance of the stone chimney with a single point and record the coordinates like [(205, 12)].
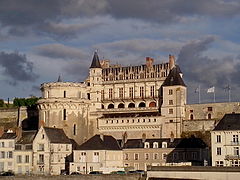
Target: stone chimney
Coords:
[(19, 132), (102, 137), (171, 137), (105, 63), (149, 62), (171, 61)]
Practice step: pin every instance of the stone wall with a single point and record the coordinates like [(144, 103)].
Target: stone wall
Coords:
[(78, 177), (13, 117), (198, 125)]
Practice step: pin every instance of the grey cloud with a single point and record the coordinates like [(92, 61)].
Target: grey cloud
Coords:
[(142, 45), (203, 69), (17, 67), (29, 15), (60, 51)]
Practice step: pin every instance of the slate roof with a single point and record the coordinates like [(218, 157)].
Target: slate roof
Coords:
[(8, 136), (174, 78), (177, 143), (95, 61), (56, 135), (27, 137), (229, 122), (96, 143)]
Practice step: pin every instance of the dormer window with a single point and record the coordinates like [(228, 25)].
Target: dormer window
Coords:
[(164, 144), (146, 145), (155, 145)]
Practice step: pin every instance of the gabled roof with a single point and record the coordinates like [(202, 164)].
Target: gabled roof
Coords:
[(229, 122), (96, 143), (174, 78), (56, 135), (95, 61), (27, 137), (8, 136), (176, 143)]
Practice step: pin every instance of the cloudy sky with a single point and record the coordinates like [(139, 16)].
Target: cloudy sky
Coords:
[(41, 39)]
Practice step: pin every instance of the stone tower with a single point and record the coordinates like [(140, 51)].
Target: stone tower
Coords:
[(173, 92)]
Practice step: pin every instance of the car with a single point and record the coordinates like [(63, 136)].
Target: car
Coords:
[(75, 173), (132, 172), (95, 172), (120, 172), (8, 173), (140, 172)]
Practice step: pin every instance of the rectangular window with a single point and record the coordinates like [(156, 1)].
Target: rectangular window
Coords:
[(170, 92), (126, 156), (27, 159), (164, 156), (170, 111), (219, 151), (96, 157), (235, 138), (110, 93), (10, 154), (41, 147), (152, 91), (131, 92), (219, 163), (19, 159), (146, 156), (236, 151), (219, 138), (64, 94), (142, 92), (102, 94), (2, 144), (120, 93), (170, 102), (41, 158), (2, 154), (136, 156), (209, 108), (64, 114), (155, 156)]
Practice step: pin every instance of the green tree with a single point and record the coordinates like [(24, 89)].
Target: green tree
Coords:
[(1, 102)]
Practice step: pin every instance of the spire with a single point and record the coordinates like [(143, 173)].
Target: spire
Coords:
[(95, 61), (174, 77), (59, 79)]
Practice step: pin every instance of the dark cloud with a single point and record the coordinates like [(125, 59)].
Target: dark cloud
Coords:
[(200, 69), (17, 67), (60, 51), (23, 17)]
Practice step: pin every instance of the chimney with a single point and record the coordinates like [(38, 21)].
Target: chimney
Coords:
[(171, 61), (102, 137), (149, 62), (171, 137), (19, 132), (144, 137), (1, 130)]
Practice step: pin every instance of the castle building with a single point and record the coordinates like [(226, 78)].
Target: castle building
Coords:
[(131, 101), (145, 99)]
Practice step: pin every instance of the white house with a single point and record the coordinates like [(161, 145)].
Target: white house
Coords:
[(225, 141)]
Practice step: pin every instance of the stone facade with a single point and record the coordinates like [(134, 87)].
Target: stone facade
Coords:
[(133, 100)]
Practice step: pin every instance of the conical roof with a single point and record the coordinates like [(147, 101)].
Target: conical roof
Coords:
[(174, 78), (95, 61)]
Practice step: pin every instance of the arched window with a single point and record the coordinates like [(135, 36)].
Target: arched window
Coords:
[(146, 145), (131, 105), (209, 116), (142, 76), (142, 104), (121, 105), (164, 144), (102, 106), (155, 145), (110, 106), (120, 77), (152, 104), (191, 117)]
